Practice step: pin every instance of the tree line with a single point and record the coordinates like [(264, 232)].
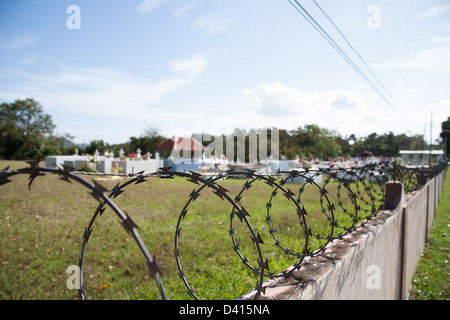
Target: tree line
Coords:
[(28, 133)]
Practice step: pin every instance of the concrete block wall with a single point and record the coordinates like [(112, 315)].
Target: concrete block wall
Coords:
[(148, 166), (375, 262), (104, 165)]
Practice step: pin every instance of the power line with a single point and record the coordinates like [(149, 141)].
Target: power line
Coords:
[(330, 40), (355, 51), (325, 35), (405, 43), (389, 52), (304, 13), (402, 35)]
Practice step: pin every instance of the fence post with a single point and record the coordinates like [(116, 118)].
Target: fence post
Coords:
[(394, 198), (427, 212), (403, 254), (393, 195), (422, 179)]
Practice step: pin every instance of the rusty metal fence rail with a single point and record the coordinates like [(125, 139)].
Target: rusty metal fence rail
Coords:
[(364, 188)]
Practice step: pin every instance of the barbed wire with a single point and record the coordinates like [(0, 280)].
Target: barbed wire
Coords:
[(363, 186)]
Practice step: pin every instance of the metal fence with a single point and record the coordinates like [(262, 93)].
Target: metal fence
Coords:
[(364, 188)]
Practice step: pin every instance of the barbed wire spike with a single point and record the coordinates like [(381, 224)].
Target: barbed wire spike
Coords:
[(116, 191), (270, 181), (260, 288), (301, 212), (34, 171), (100, 209), (264, 265), (183, 213), (166, 173), (194, 195), (64, 171), (257, 239), (139, 176), (128, 224), (288, 194), (154, 267), (98, 190), (87, 233), (194, 177), (323, 191), (331, 207), (221, 191), (242, 213), (309, 180), (247, 185), (4, 176)]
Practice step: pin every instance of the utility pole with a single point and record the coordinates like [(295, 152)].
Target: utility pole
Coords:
[(431, 133), (423, 141)]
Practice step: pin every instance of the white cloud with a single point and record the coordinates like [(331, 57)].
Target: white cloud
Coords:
[(278, 100), (105, 92), (148, 6), (181, 12), (29, 60), (191, 66), (21, 42), (211, 23), (433, 59), (435, 11), (278, 105), (446, 26), (440, 40)]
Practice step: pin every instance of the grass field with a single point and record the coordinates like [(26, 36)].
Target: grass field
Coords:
[(431, 280), (42, 230)]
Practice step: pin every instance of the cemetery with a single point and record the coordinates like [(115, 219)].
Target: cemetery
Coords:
[(107, 163), (185, 154)]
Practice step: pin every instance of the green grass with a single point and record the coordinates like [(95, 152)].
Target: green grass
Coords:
[(431, 280), (41, 236)]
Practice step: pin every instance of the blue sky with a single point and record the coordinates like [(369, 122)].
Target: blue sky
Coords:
[(213, 66)]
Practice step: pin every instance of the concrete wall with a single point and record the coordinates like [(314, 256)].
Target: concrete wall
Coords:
[(132, 166), (52, 161), (104, 165), (376, 261)]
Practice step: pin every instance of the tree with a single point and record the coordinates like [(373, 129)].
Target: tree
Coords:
[(288, 147), (24, 127), (58, 144), (313, 141), (326, 146), (96, 145), (147, 142)]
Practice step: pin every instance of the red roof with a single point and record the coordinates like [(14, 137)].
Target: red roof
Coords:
[(181, 143)]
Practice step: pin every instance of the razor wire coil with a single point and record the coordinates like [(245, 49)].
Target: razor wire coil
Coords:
[(364, 186)]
